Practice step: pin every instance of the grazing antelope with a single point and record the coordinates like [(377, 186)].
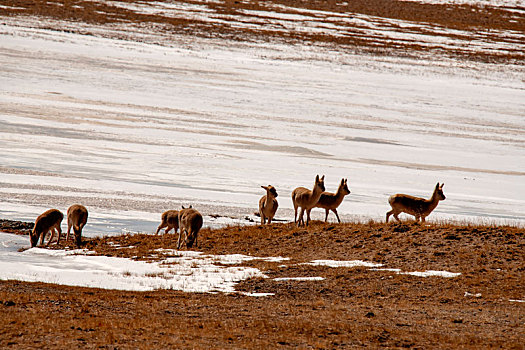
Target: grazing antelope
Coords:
[(77, 216), (190, 221), (50, 220), (419, 207), (330, 201), (170, 219), (306, 199), (268, 204)]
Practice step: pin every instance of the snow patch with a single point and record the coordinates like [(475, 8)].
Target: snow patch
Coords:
[(338, 263), (299, 279), (432, 273), (189, 272)]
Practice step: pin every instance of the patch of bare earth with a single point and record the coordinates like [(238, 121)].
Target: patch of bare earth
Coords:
[(350, 307)]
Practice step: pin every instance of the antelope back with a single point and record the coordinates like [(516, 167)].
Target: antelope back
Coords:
[(190, 220), (51, 218), (77, 215)]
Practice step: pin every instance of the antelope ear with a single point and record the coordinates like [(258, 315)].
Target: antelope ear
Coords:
[(442, 185), (183, 207), (266, 188), (437, 185), (316, 178), (191, 206), (322, 178), (342, 181)]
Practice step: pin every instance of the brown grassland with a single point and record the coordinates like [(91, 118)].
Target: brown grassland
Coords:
[(351, 307)]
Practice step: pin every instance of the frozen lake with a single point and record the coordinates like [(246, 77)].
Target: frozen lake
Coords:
[(130, 130)]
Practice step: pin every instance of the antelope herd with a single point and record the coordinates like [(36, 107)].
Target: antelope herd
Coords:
[(188, 221)]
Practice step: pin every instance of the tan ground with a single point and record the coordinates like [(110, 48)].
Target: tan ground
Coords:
[(352, 307)]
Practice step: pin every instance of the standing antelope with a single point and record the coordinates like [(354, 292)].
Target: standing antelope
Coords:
[(170, 219), (190, 221), (50, 220), (419, 207), (268, 204), (306, 199), (330, 201), (77, 216)]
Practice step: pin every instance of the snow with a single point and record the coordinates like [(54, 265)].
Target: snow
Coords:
[(300, 279), (189, 272), (375, 267), (338, 263), (427, 273), (490, 3), (159, 127), (131, 129), (432, 273)]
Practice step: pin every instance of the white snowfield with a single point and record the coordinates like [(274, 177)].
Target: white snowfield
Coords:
[(131, 129), (188, 272)]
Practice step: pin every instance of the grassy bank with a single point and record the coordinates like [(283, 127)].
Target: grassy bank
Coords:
[(357, 306)]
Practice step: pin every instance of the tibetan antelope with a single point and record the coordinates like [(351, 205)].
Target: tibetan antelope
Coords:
[(190, 222), (419, 207), (48, 221), (77, 216), (330, 201), (306, 199), (268, 204), (170, 220)]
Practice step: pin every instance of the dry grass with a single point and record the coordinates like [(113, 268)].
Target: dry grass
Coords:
[(351, 307)]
